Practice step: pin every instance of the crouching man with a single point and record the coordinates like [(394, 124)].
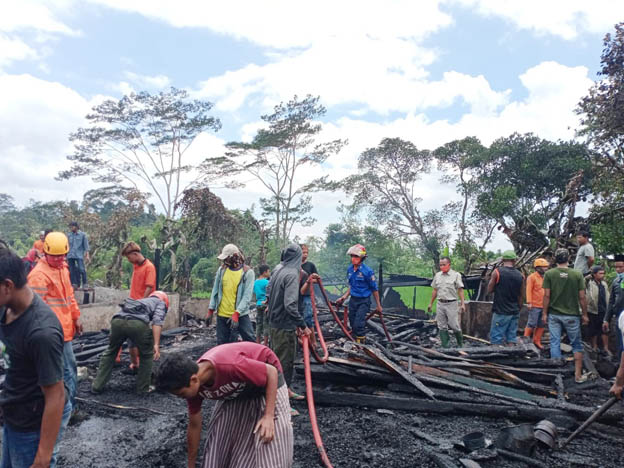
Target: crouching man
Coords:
[(250, 424), (133, 322)]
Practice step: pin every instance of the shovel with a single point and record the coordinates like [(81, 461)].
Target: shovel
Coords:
[(599, 412)]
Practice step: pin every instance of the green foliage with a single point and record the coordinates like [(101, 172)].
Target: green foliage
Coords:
[(203, 273)]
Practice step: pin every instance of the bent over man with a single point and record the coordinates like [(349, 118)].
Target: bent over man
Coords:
[(133, 322), (250, 424)]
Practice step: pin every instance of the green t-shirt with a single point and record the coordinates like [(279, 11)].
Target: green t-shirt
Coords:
[(564, 285)]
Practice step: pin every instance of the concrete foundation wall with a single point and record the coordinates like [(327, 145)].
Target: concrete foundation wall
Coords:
[(97, 316), (196, 307)]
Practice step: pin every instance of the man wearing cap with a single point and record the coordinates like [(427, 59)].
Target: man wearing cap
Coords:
[(564, 297), (535, 299), (77, 256), (447, 284), (231, 294), (507, 285), (616, 302)]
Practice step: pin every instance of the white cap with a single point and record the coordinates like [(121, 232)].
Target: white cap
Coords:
[(228, 251)]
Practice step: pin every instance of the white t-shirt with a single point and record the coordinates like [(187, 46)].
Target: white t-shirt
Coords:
[(621, 324)]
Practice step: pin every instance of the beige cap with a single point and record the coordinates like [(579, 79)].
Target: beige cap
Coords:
[(228, 251)]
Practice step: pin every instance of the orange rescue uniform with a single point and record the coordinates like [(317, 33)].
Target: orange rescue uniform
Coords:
[(38, 245), (144, 275), (55, 288), (534, 291)]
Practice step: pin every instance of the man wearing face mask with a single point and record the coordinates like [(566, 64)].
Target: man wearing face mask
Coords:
[(362, 284), (616, 302), (447, 284), (231, 294), (535, 299), (50, 280)]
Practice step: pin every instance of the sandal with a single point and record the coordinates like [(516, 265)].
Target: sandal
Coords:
[(294, 412), (296, 396), (581, 379)]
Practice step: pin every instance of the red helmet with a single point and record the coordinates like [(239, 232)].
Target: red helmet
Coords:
[(358, 250), (162, 296)]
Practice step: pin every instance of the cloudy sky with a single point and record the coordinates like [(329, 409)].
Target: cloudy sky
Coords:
[(429, 71)]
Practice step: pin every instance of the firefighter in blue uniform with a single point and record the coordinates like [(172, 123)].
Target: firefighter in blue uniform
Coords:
[(362, 285)]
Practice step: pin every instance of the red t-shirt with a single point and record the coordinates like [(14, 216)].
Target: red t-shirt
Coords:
[(240, 372), (144, 275)]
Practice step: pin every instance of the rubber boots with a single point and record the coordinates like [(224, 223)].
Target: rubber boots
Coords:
[(360, 339), (537, 338), (460, 339), (528, 331), (444, 338)]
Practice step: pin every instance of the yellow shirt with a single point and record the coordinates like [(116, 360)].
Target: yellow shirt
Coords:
[(229, 288)]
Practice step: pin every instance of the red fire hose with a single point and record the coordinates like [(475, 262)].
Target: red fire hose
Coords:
[(307, 346)]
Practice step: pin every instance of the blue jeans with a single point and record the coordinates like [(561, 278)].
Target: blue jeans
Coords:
[(308, 314), (572, 326), (504, 328), (535, 318), (70, 373), (359, 307), (226, 335), (77, 271), (20, 448)]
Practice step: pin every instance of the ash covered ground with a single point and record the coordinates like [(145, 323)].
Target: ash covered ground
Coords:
[(353, 437)]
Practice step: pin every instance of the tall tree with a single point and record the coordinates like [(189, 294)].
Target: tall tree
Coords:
[(602, 124), (142, 141), (386, 186), (277, 157), (530, 186), (458, 160)]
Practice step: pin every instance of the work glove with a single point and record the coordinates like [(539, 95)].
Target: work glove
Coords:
[(233, 321)]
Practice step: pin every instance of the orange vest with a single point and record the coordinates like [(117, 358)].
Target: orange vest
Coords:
[(55, 288)]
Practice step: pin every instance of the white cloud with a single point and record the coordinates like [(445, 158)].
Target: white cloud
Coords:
[(146, 81), (36, 118), (564, 18), (32, 14), (13, 49), (286, 24)]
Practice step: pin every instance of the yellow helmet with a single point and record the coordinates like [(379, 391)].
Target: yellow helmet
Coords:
[(541, 262), (56, 243)]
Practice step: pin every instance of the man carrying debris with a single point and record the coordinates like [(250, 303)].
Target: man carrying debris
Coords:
[(77, 256), (564, 296), (284, 307), (260, 291), (447, 284), (231, 294), (597, 293), (142, 284), (50, 279), (535, 299), (362, 285), (250, 424), (585, 254), (33, 399), (616, 302), (133, 322), (507, 285)]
